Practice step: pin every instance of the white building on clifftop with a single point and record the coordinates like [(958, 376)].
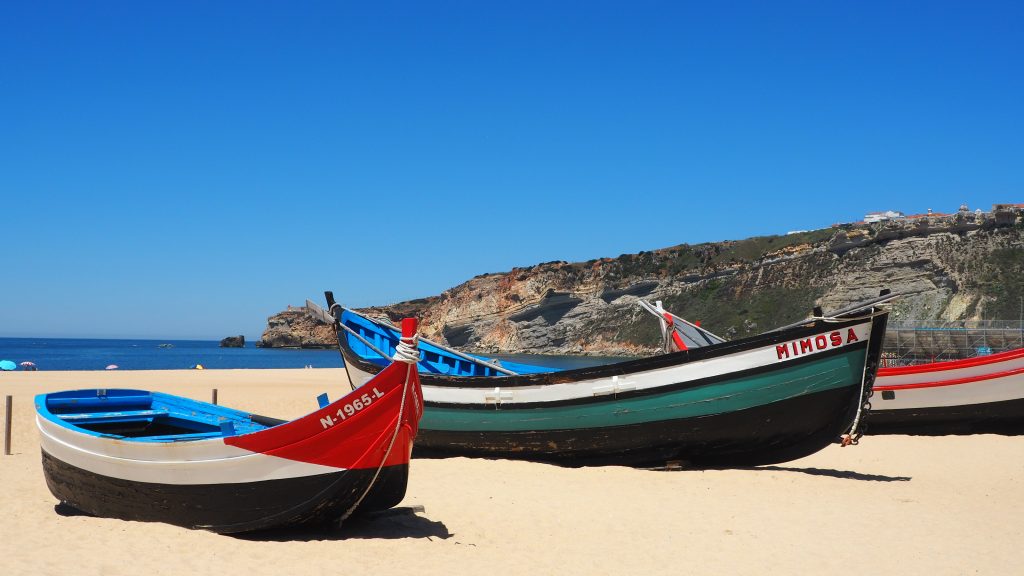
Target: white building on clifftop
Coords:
[(873, 217)]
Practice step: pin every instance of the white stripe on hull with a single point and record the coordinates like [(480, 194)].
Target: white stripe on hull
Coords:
[(980, 392), (651, 379), (207, 461), (359, 377)]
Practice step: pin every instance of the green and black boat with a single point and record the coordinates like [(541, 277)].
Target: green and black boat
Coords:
[(766, 399)]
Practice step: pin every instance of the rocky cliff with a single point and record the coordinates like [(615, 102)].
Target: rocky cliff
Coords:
[(954, 268), (293, 328)]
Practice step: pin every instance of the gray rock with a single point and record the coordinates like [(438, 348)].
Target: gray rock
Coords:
[(233, 342)]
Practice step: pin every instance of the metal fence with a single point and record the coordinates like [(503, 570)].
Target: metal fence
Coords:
[(908, 343)]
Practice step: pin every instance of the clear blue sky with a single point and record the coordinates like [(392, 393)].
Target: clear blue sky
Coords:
[(186, 169)]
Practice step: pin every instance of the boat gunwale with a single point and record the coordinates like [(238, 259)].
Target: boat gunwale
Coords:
[(178, 410), (952, 364), (618, 368), (954, 382)]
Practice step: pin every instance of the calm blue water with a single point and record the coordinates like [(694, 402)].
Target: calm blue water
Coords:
[(84, 354), (87, 354)]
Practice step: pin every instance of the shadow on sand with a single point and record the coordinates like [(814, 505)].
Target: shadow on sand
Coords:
[(844, 474), (67, 511), (386, 525)]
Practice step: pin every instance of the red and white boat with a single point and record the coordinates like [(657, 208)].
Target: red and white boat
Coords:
[(150, 456), (975, 395)]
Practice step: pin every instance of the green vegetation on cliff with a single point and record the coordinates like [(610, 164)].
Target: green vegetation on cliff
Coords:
[(1001, 278), (950, 269)]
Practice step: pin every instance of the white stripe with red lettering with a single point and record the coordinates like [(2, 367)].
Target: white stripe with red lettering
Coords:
[(747, 360)]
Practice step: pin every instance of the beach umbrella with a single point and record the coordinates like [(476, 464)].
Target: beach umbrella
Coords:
[(7, 365), (26, 365), (111, 367)]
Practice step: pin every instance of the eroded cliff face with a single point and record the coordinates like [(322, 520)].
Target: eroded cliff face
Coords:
[(293, 328), (950, 270)]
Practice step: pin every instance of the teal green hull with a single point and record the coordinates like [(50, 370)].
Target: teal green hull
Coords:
[(743, 393)]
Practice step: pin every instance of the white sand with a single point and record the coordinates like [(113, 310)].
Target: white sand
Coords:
[(893, 505)]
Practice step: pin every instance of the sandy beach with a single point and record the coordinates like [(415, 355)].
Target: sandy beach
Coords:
[(892, 505)]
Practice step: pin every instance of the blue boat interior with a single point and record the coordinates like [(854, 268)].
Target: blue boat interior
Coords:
[(145, 416), (433, 360)]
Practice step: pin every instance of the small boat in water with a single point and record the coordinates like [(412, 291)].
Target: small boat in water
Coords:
[(974, 395), (149, 456), (770, 398)]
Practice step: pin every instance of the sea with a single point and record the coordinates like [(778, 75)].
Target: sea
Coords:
[(98, 354)]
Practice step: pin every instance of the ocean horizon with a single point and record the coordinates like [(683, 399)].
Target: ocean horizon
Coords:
[(147, 354), (139, 354)]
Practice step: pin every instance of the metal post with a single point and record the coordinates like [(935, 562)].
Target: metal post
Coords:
[(214, 401), (984, 331), (7, 427)]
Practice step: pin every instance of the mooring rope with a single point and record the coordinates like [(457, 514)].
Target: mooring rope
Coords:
[(408, 353), (851, 436)]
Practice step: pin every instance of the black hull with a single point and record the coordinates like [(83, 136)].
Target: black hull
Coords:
[(226, 508), (990, 418), (769, 434)]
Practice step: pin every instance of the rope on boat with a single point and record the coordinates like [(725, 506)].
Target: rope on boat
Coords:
[(852, 437), (836, 319), (408, 353)]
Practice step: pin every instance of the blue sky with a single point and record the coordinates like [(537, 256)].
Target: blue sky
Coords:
[(186, 169)]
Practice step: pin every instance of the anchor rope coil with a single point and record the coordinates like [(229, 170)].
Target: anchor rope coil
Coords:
[(407, 352)]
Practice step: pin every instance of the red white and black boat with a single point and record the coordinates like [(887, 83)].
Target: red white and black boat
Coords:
[(975, 395), (770, 398), (149, 456)]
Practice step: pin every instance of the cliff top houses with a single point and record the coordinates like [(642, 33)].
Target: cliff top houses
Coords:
[(872, 217), (1012, 210)]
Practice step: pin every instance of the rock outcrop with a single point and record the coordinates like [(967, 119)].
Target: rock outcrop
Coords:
[(293, 328), (233, 342), (951, 268)]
